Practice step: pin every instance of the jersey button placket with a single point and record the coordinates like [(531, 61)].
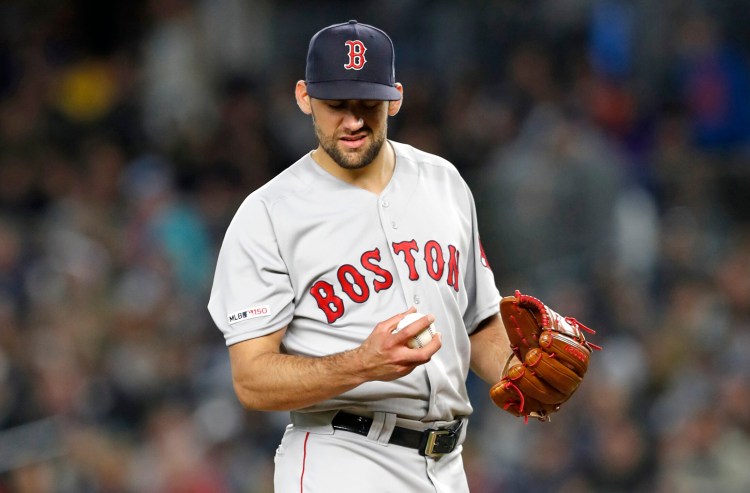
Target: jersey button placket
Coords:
[(384, 203), (390, 228)]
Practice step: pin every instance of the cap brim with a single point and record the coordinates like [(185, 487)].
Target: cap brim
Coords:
[(352, 89)]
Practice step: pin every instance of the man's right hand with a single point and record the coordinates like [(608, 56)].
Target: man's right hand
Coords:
[(386, 356)]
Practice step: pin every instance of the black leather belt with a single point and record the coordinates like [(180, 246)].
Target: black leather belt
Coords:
[(430, 443)]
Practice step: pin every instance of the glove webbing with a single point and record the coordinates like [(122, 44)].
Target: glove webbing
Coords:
[(525, 299)]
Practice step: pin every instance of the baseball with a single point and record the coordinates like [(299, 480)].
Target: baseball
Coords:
[(421, 339)]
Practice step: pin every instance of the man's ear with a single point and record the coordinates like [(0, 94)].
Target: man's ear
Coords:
[(394, 106), (303, 99)]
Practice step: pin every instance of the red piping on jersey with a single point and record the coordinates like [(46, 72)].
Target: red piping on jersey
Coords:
[(304, 460)]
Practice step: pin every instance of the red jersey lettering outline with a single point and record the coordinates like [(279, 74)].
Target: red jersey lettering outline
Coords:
[(483, 255), (433, 259), (352, 281), (406, 248), (368, 260), (348, 285), (454, 256), (332, 305)]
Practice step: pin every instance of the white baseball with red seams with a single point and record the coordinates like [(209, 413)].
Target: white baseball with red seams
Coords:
[(423, 338)]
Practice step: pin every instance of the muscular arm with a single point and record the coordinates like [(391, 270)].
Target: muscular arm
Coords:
[(490, 349), (268, 380)]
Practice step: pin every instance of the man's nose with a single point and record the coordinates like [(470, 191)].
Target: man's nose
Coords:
[(353, 121)]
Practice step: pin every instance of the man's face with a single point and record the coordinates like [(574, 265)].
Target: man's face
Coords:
[(351, 131)]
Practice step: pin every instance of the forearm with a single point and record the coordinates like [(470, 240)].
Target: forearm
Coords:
[(282, 382), (490, 349), (268, 380)]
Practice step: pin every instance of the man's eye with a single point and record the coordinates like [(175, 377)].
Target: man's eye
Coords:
[(335, 104)]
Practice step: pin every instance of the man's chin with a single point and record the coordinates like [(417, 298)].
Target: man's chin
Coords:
[(358, 158), (347, 161)]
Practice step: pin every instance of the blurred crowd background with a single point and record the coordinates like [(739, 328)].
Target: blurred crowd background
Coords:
[(607, 144)]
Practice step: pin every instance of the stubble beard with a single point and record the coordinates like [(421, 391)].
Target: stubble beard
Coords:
[(351, 160)]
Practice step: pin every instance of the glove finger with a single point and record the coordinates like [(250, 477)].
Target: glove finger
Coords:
[(549, 369), (532, 386), (521, 325), (506, 396), (566, 350)]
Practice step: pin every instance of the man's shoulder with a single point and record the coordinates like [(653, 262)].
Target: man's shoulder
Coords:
[(418, 156), (291, 181), (423, 159)]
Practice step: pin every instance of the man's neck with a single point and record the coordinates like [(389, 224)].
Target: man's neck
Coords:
[(374, 177)]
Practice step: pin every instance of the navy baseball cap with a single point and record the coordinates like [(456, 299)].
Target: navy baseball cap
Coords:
[(351, 61)]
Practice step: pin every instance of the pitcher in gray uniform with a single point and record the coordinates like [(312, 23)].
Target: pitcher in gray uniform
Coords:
[(318, 267)]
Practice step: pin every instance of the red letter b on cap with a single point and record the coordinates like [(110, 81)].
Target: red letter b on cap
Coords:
[(356, 55)]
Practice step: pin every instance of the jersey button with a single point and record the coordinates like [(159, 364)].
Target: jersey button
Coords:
[(385, 203), (416, 299), (394, 225)]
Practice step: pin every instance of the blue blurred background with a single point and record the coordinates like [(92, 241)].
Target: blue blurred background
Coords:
[(606, 142)]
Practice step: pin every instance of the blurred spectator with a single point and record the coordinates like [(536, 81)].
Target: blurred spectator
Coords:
[(178, 99), (714, 84), (551, 197), (164, 234)]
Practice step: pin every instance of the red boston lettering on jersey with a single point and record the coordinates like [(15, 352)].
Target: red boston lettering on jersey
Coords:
[(369, 260), (433, 259), (356, 55), (332, 305), (407, 248), (357, 287), (351, 282), (453, 258)]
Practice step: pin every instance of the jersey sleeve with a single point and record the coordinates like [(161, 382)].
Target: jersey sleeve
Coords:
[(252, 295), (484, 297)]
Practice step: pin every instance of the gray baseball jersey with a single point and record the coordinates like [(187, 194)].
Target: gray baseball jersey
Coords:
[(331, 260)]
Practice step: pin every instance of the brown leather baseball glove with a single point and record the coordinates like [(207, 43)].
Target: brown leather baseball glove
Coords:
[(553, 357)]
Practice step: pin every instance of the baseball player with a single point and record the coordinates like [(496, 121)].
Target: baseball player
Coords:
[(319, 266)]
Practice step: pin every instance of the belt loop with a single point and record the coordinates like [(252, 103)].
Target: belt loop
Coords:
[(382, 427), (314, 422)]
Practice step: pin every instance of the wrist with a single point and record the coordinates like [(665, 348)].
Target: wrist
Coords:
[(354, 366)]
